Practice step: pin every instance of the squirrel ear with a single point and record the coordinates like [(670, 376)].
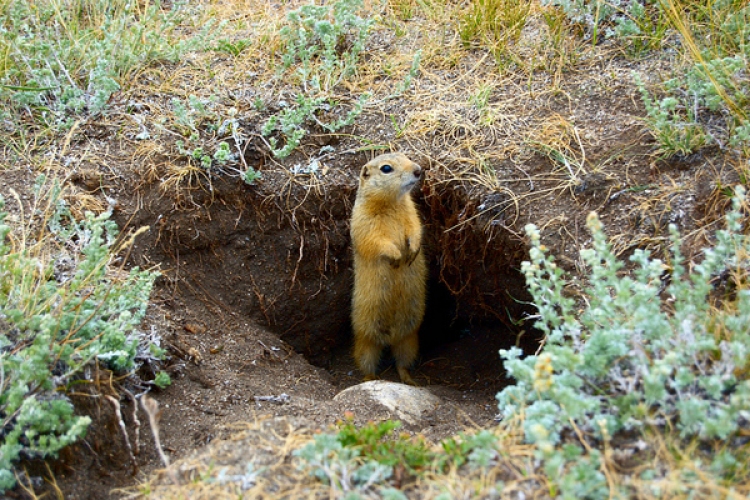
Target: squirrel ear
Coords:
[(365, 173)]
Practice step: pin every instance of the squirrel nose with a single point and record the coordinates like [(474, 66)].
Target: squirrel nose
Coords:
[(417, 171)]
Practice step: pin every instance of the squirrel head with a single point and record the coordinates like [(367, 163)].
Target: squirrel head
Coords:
[(391, 174)]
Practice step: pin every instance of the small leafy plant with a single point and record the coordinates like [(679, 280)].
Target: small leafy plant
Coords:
[(639, 22), (290, 122), (661, 349), (338, 459), (194, 116), (673, 124), (205, 159), (375, 441), (233, 48), (220, 160), (479, 450), (63, 306), (363, 460), (250, 176), (191, 113), (706, 106), (322, 47)]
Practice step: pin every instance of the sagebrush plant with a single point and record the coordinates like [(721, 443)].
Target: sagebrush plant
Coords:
[(705, 106), (640, 23), (673, 125), (409, 77), (65, 58), (322, 47), (192, 113), (194, 118), (651, 350), (64, 305)]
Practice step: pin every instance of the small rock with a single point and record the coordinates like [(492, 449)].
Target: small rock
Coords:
[(408, 403)]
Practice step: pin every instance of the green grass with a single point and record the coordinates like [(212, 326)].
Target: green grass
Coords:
[(365, 459), (494, 23)]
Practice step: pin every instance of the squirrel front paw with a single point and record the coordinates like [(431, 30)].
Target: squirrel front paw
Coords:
[(410, 252), (407, 257)]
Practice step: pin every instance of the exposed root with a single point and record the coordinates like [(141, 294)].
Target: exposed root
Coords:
[(118, 414)]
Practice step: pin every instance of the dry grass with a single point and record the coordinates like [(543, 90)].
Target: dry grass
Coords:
[(479, 122), (260, 451), (436, 118), (217, 471), (268, 444)]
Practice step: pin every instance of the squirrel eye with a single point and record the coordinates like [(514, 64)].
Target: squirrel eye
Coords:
[(386, 169)]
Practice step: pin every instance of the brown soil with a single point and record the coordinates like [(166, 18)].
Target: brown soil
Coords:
[(254, 295)]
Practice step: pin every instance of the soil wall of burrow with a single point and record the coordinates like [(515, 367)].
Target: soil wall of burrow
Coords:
[(279, 253)]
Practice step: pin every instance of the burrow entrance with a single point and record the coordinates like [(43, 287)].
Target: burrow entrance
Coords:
[(278, 253)]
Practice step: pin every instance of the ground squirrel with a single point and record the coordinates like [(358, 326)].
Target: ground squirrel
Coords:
[(390, 272)]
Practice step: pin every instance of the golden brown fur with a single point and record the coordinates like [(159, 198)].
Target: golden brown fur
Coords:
[(390, 271)]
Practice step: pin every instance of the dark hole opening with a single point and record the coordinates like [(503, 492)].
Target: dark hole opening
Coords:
[(455, 349)]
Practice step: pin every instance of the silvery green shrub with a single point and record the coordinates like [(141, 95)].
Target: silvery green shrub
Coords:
[(323, 44), (650, 349), (61, 309), (63, 61), (623, 18)]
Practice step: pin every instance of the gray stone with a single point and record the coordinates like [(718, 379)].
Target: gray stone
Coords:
[(407, 403)]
